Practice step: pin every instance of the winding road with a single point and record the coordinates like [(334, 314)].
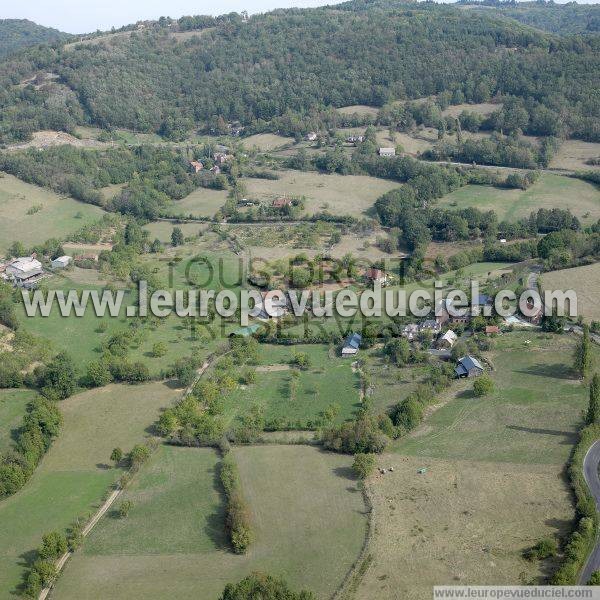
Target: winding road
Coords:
[(590, 472)]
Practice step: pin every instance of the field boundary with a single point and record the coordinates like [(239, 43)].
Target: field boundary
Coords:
[(355, 573)]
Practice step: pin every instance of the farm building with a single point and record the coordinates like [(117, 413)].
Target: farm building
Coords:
[(311, 137), (447, 340), (270, 307), (61, 262), (468, 366), (25, 271), (376, 276), (246, 331), (196, 166), (351, 345), (387, 152)]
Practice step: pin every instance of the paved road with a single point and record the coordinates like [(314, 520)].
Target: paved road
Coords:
[(590, 472)]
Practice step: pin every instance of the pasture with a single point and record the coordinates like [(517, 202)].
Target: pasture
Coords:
[(266, 142), (358, 109), (75, 474), (338, 194), (308, 527), (532, 417), (202, 202), (50, 215), (328, 380), (550, 191), (586, 283), (13, 406), (495, 480), (163, 230), (573, 154)]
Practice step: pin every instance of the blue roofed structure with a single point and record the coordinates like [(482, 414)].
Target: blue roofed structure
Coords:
[(468, 366), (352, 344)]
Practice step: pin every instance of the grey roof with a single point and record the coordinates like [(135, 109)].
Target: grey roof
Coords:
[(460, 371), (470, 362)]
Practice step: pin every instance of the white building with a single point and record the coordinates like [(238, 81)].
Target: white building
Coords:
[(25, 271), (61, 262), (387, 151)]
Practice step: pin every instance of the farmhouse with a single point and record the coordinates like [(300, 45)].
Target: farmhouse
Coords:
[(24, 271), (468, 366), (196, 166), (387, 151), (376, 276), (270, 307), (447, 340), (351, 345), (61, 262), (355, 139)]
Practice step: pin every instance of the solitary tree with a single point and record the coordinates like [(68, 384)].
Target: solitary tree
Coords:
[(593, 414), (483, 385), (177, 238), (116, 456), (583, 356)]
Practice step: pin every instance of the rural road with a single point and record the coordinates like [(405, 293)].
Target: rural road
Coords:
[(590, 472)]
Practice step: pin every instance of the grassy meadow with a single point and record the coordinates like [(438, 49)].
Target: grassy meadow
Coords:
[(338, 194), (550, 191), (308, 527), (13, 406), (75, 474), (51, 215), (586, 283)]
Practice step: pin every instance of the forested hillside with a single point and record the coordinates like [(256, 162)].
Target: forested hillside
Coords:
[(294, 62), (555, 18), (19, 33)]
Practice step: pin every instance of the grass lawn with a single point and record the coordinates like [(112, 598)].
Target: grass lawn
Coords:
[(58, 216), (573, 154), (550, 191), (13, 406), (308, 527), (329, 380), (339, 194), (532, 417), (74, 476), (586, 283), (163, 230)]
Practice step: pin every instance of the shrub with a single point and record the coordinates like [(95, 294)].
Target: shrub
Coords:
[(265, 587), (124, 508), (483, 386), (363, 465), (543, 549), (237, 518)]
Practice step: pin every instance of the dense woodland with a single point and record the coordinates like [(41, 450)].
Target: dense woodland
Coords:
[(20, 33), (293, 63)]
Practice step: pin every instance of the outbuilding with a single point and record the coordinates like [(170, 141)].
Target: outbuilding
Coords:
[(61, 262)]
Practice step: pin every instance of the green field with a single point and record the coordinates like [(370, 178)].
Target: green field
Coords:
[(75, 474), (532, 417), (163, 230), (308, 527), (329, 380), (58, 216), (13, 406), (550, 191), (202, 202), (339, 194)]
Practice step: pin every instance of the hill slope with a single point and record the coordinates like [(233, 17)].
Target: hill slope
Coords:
[(287, 63), (20, 33)]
